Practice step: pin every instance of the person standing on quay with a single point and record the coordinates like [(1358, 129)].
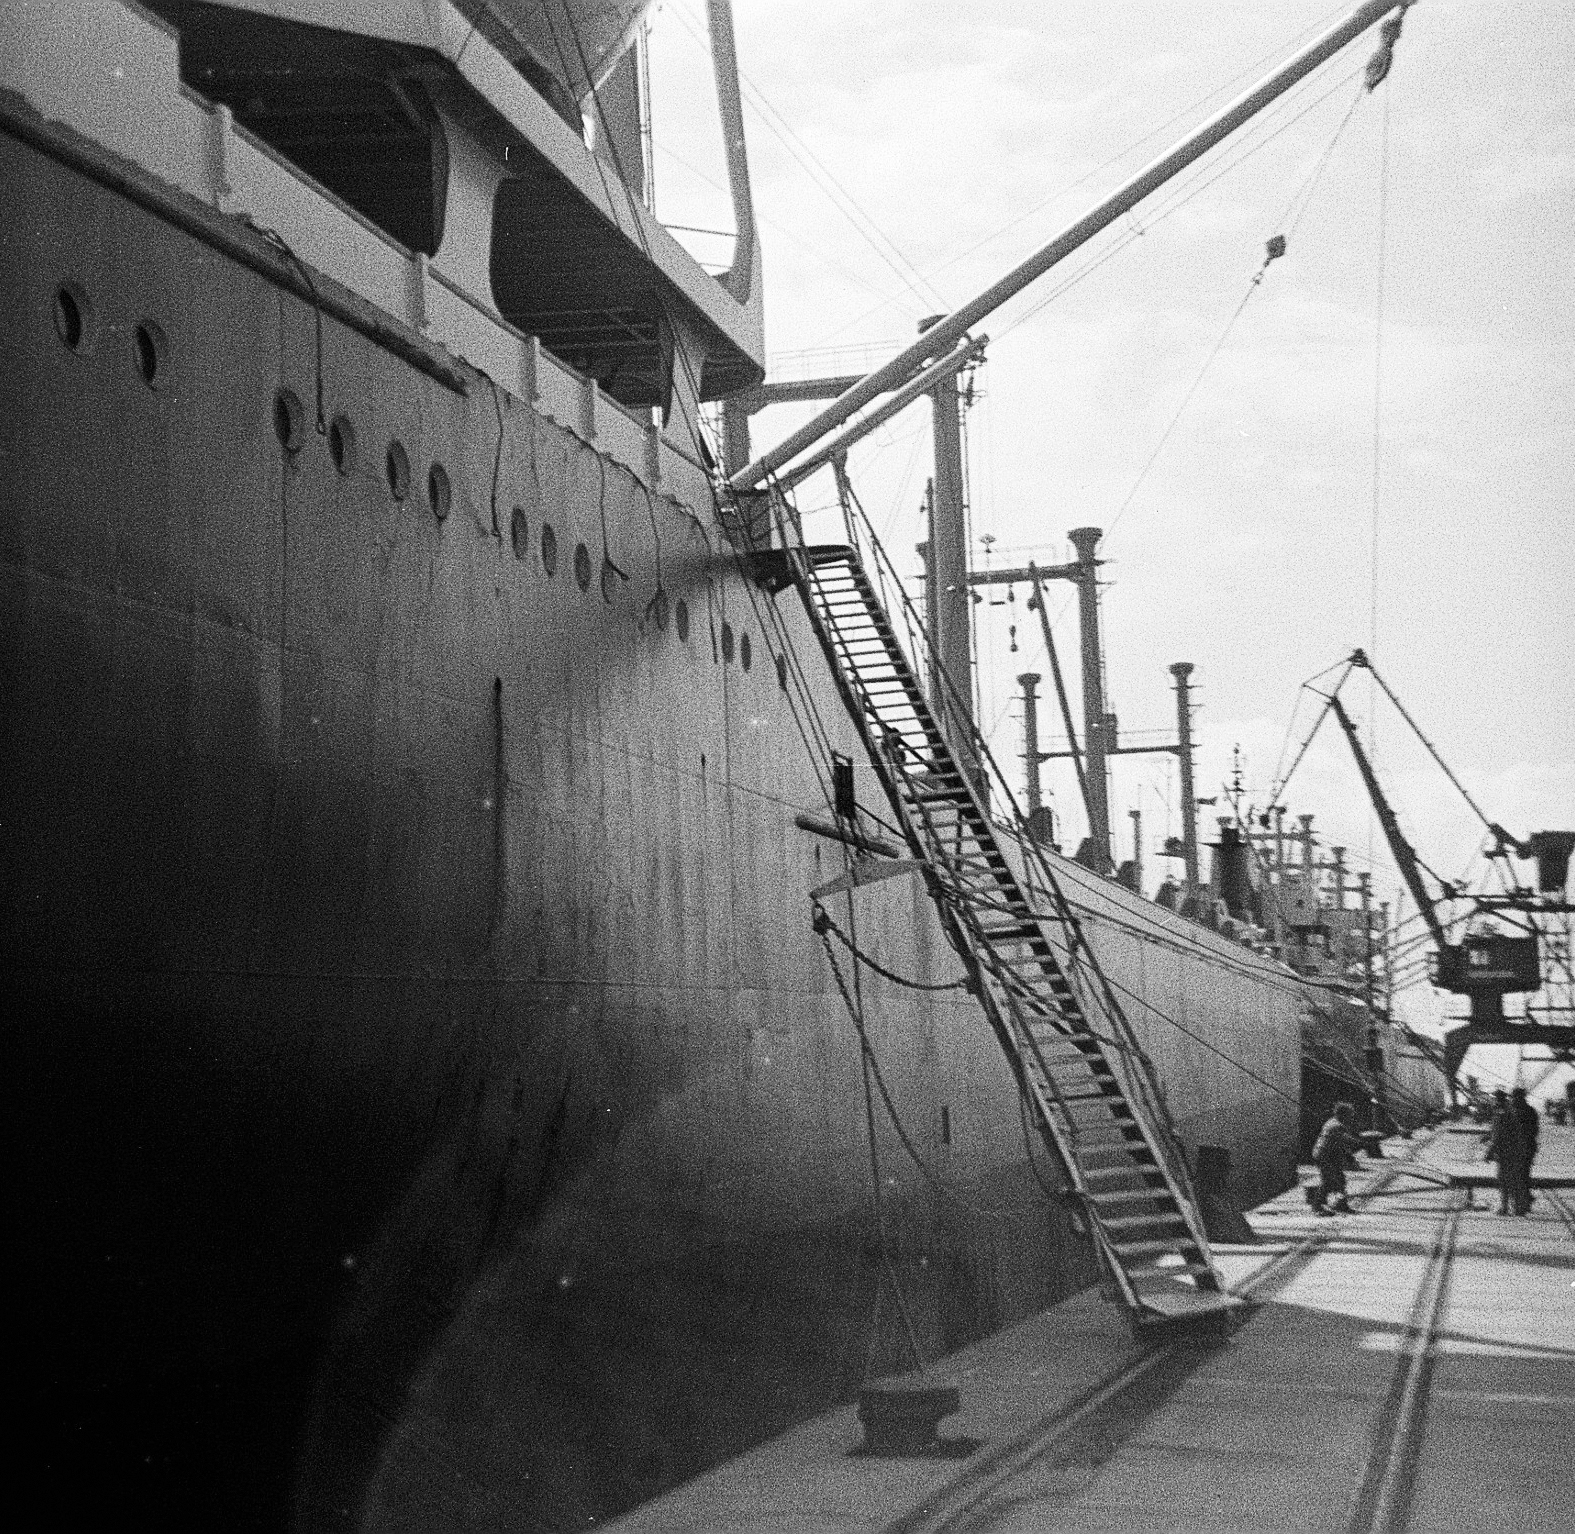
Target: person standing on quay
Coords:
[(1507, 1147), (1530, 1126)]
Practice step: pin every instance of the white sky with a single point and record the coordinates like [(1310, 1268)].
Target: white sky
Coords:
[(967, 135)]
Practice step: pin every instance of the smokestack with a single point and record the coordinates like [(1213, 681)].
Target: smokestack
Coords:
[(1137, 849), (1232, 880), (1189, 804), (1029, 680)]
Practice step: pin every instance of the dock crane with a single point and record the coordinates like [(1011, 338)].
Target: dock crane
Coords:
[(1484, 965)]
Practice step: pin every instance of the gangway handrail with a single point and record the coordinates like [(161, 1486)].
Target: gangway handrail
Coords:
[(1129, 1055)]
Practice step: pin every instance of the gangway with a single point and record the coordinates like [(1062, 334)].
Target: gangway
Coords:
[(1080, 1067)]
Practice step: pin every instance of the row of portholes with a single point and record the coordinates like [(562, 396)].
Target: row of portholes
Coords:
[(519, 540), (289, 426), (76, 323), (289, 420)]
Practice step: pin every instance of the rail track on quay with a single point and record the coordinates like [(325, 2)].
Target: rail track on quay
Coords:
[(1366, 1388)]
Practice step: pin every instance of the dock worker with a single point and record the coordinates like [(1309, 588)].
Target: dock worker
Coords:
[(1506, 1147), (1334, 1149), (1530, 1128)]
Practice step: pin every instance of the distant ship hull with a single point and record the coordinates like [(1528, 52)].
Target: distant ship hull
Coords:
[(432, 1107)]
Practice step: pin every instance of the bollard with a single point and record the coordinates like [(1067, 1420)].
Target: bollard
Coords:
[(1222, 1218), (903, 1418)]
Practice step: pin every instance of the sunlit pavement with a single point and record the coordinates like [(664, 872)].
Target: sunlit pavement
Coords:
[(1279, 1428), (1290, 1424)]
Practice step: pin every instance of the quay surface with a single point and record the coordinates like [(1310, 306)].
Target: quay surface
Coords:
[(1407, 1367)]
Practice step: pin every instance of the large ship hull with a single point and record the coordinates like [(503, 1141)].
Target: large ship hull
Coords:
[(432, 1106)]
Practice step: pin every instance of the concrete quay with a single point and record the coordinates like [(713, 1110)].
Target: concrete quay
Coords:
[(1407, 1367)]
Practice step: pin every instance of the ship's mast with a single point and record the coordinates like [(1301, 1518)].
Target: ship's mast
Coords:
[(952, 622), (1098, 724)]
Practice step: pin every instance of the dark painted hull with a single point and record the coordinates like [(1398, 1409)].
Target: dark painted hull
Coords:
[(432, 1107)]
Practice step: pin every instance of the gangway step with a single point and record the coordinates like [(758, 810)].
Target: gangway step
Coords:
[(1137, 1222)]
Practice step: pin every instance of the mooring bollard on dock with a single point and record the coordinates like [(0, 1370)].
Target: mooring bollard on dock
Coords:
[(903, 1416)]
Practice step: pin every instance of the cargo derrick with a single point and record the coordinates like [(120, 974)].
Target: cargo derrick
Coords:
[(1487, 964)]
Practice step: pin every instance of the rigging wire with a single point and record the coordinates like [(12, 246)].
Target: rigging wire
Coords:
[(1378, 416), (866, 1062), (765, 218), (833, 190), (1248, 71), (1276, 247), (1432, 751), (1277, 788), (1190, 188), (1276, 782), (1186, 399), (903, 1135), (826, 923)]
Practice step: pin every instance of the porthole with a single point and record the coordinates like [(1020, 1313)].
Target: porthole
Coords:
[(396, 465), (727, 641), (582, 567), (549, 549), (519, 533), (73, 317), (151, 350), (681, 619), (289, 420), (440, 494), (341, 444), (782, 672), (743, 651)]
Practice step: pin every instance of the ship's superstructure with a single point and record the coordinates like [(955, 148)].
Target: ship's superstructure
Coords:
[(1285, 892), (433, 1103)]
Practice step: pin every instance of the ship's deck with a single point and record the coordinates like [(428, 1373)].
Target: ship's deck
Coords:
[(1411, 1366)]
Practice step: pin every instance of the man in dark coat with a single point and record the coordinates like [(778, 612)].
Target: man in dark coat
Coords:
[(1335, 1147), (1530, 1127), (1507, 1147)]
